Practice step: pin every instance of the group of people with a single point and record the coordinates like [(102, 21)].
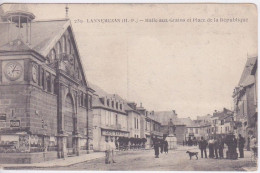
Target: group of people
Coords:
[(110, 150), (190, 142), (160, 145), (216, 146)]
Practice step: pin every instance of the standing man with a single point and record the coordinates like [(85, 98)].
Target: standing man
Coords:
[(221, 147), (112, 150), (161, 145), (216, 144), (241, 144), (202, 146), (156, 144), (107, 151)]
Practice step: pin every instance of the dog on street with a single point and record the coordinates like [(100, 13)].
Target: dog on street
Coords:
[(192, 154)]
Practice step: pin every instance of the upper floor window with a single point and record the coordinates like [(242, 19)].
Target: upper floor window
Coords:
[(116, 105), (63, 41), (90, 102), (86, 100), (116, 119), (82, 99), (120, 106), (108, 103), (69, 47), (58, 48), (52, 55), (48, 82), (43, 78)]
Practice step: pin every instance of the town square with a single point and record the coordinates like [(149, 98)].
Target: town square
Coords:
[(131, 87)]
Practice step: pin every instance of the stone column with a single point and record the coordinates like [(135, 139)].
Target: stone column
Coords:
[(62, 148), (77, 147)]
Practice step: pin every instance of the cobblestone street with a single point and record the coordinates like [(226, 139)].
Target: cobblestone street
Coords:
[(175, 160)]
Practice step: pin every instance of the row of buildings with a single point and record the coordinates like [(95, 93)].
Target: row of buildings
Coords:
[(48, 109), (219, 123), (242, 119)]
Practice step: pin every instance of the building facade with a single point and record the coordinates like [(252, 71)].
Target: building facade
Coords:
[(110, 120), (245, 100), (45, 100)]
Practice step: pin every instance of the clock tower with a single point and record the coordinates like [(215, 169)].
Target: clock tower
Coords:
[(45, 100)]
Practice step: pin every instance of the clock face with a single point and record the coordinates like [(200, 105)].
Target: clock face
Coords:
[(13, 70), (34, 72)]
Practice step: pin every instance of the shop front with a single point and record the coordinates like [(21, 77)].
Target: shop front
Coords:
[(108, 134)]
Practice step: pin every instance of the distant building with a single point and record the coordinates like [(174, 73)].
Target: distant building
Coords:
[(222, 122), (134, 120)]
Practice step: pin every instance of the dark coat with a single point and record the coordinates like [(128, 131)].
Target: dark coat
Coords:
[(203, 144), (241, 142), (165, 146), (216, 144), (221, 144)]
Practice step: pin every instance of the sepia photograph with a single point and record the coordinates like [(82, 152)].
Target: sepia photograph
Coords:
[(129, 86)]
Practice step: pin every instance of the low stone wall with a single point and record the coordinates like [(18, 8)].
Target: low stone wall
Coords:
[(24, 158)]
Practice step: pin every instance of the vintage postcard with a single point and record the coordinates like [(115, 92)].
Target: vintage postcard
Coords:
[(129, 87)]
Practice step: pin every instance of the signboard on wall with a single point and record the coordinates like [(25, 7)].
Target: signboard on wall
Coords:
[(14, 123), (114, 133)]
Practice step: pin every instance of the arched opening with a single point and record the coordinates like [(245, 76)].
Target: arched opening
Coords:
[(58, 50), (69, 124)]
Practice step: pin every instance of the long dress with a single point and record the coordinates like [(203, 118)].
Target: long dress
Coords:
[(166, 147), (211, 148)]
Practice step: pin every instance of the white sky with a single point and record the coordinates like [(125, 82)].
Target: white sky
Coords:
[(188, 67)]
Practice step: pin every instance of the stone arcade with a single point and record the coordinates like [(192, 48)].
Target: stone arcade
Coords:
[(45, 100)]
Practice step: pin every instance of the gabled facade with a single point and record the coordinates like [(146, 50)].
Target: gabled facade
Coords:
[(45, 100)]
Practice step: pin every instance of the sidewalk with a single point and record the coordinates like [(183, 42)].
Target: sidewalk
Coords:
[(74, 160), (57, 162)]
